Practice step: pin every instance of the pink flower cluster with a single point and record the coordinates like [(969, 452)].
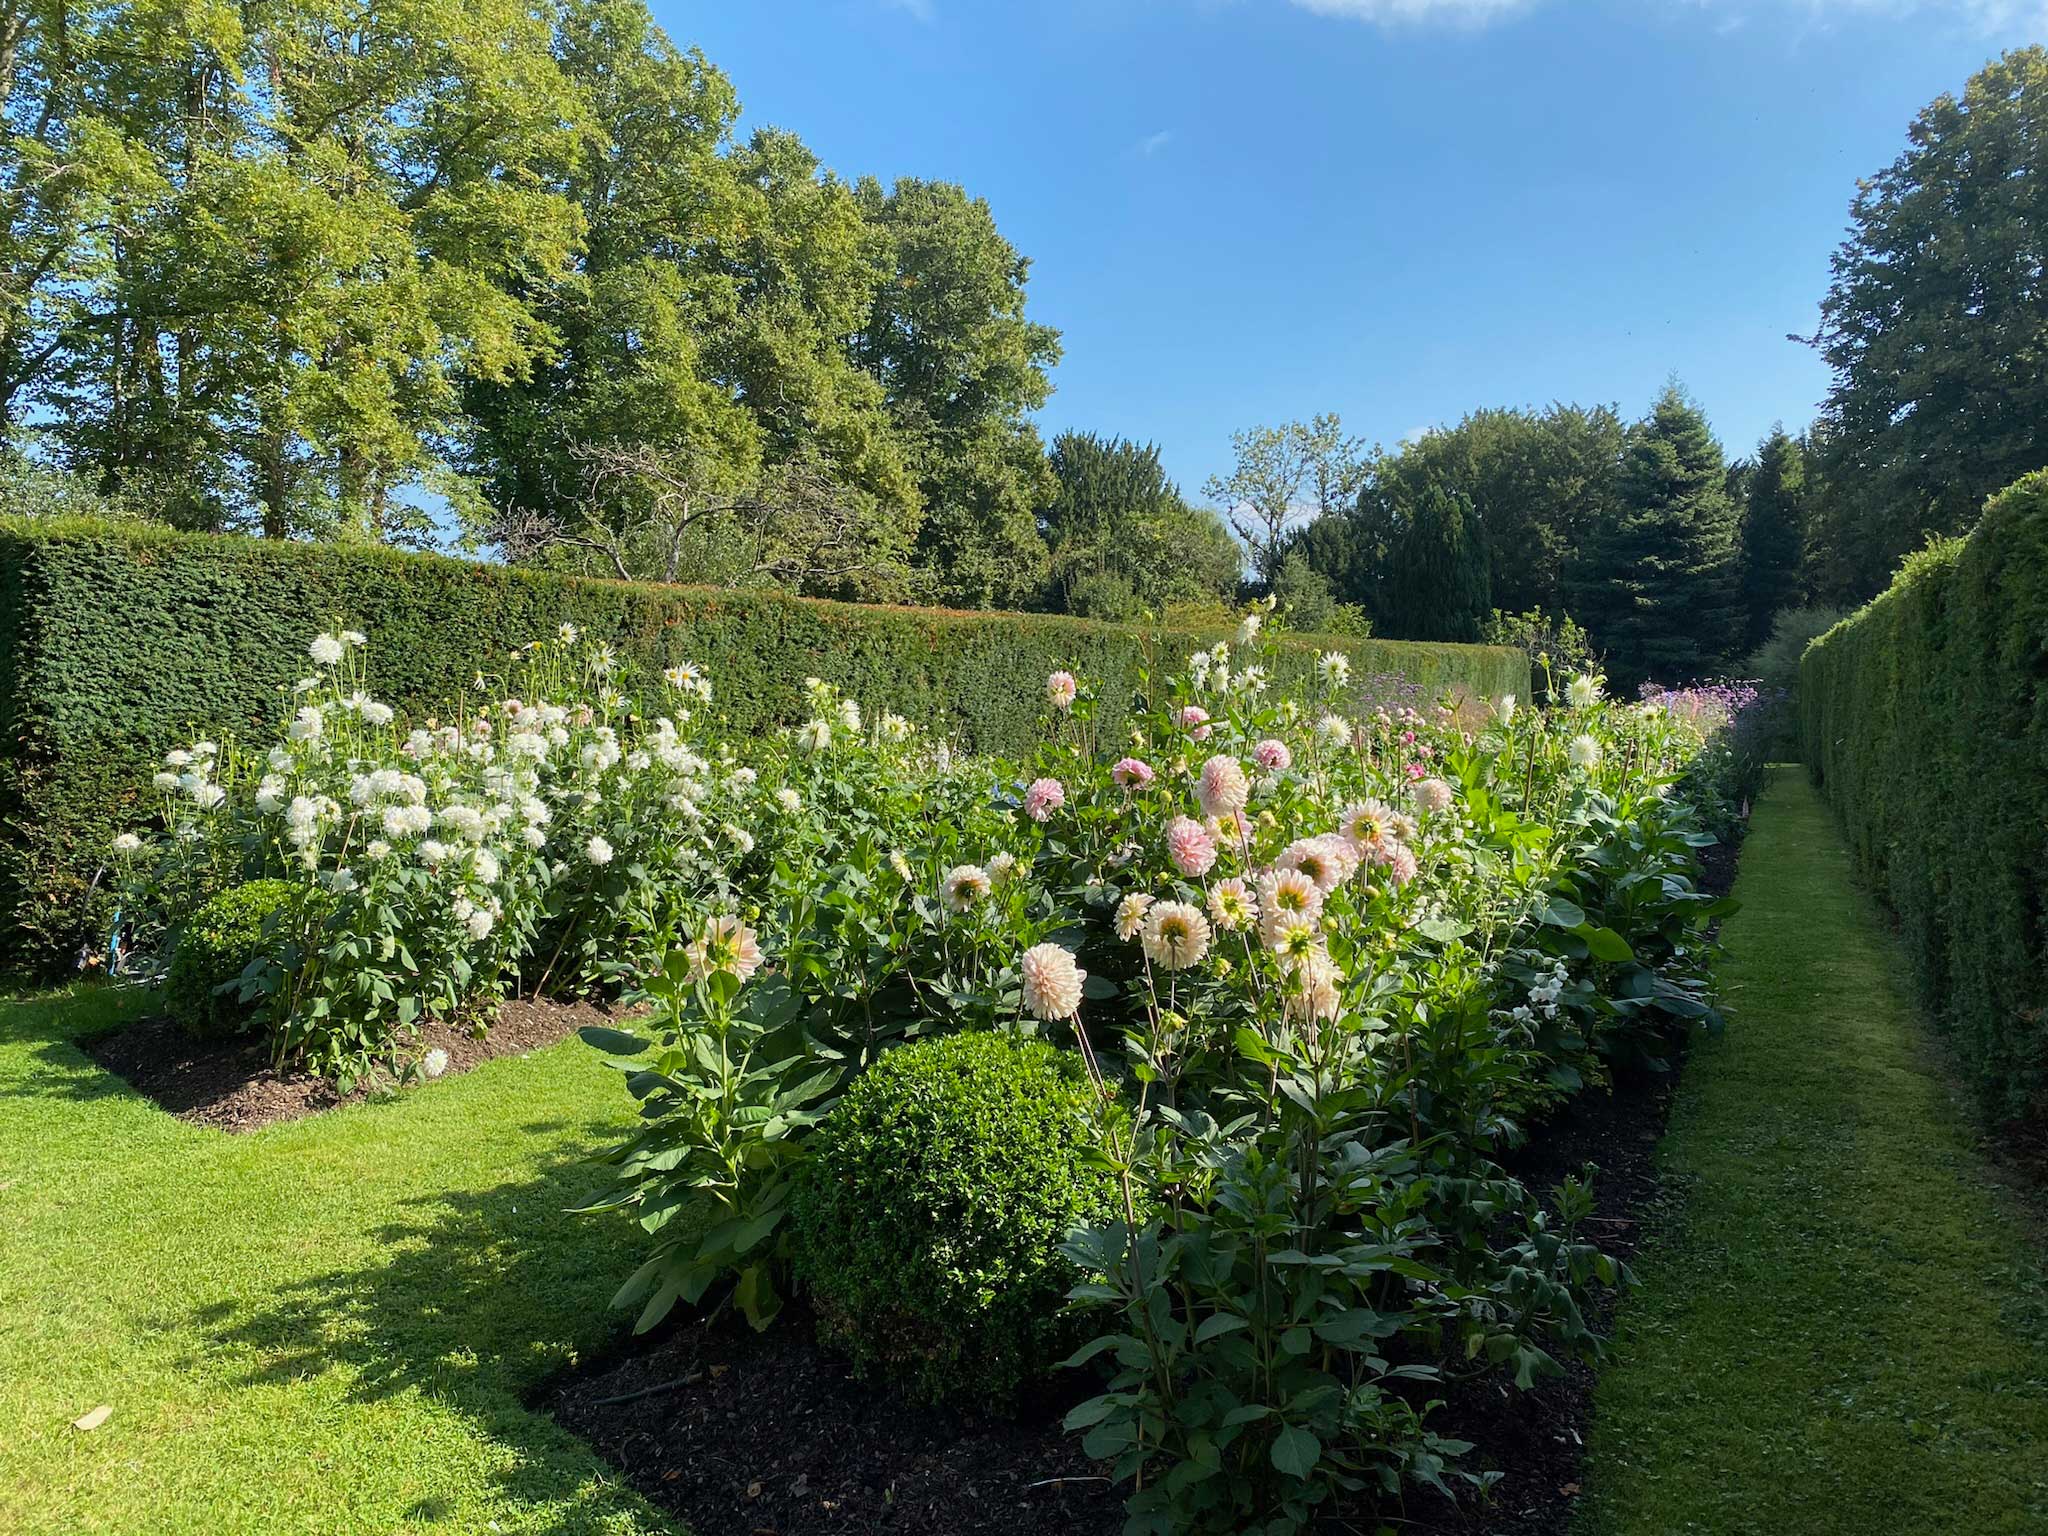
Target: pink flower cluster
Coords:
[(1043, 798), (1131, 773)]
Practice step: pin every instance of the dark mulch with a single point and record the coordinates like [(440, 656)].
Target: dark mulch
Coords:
[(767, 1435), (230, 1084), (1537, 1441)]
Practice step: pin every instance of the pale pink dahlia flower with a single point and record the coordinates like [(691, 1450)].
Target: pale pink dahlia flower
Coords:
[(725, 944), (1130, 915), (1052, 982), (1223, 787), (1131, 773), (1176, 935), (1288, 896), (1043, 798), (1230, 903), (1194, 720), (1190, 847), (1273, 755), (964, 885), (1060, 690)]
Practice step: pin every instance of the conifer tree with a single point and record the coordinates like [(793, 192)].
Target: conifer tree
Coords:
[(1438, 583), (1657, 584), (1773, 535)]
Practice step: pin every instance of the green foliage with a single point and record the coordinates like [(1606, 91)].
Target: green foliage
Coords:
[(1122, 541), (118, 643), (250, 255), (1774, 518), (1657, 586), (1774, 667), (930, 1215), (1933, 322), (1922, 724), (234, 930), (1307, 603), (1556, 647), (1437, 583)]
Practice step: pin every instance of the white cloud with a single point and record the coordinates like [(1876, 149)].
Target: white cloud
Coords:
[(1152, 143), (1388, 12)]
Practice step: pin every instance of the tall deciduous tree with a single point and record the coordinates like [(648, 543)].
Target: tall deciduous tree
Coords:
[(1657, 585), (336, 225), (1284, 477), (961, 366), (1936, 324)]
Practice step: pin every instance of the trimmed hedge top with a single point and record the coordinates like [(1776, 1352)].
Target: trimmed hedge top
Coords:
[(1925, 722), (119, 641)]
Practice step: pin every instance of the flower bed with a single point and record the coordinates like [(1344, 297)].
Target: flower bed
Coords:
[(1321, 970)]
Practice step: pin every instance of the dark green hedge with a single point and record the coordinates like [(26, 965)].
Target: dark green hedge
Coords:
[(1925, 722), (118, 642)]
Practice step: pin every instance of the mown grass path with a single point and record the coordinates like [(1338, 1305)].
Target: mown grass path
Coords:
[(1843, 1326), (323, 1327)]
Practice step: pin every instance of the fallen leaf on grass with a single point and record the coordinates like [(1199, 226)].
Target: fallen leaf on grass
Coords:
[(95, 1419)]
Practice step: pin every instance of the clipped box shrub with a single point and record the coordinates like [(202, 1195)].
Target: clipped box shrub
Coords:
[(226, 935), (120, 641), (931, 1210), (1924, 719)]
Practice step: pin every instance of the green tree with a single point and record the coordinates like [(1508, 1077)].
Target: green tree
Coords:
[(330, 223), (1657, 585), (1437, 583), (1121, 540), (1773, 534), (1284, 477), (1936, 321), (961, 366)]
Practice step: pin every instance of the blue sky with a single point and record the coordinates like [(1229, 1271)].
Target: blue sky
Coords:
[(1252, 210)]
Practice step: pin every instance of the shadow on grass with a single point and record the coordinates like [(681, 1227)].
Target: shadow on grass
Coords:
[(476, 1299), (53, 1027)]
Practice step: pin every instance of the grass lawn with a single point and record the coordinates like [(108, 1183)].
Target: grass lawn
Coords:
[(1845, 1327), (322, 1327)]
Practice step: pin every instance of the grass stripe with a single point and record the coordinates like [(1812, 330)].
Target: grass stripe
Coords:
[(319, 1327), (1843, 1325)]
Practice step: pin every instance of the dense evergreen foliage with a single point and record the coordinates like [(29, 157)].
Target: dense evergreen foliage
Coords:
[(932, 1207), (1923, 723), (1657, 587)]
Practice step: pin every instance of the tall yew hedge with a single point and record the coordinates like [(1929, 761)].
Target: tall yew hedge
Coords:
[(1925, 722), (119, 641)]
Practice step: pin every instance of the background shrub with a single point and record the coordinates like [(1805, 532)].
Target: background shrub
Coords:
[(119, 641), (224, 937), (1925, 721), (931, 1212), (1774, 668)]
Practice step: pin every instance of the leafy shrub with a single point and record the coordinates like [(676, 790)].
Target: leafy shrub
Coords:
[(225, 937), (930, 1216), (1555, 646), (1923, 721), (116, 641), (1775, 667)]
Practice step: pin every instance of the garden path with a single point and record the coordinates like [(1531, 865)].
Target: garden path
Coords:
[(1843, 1322)]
